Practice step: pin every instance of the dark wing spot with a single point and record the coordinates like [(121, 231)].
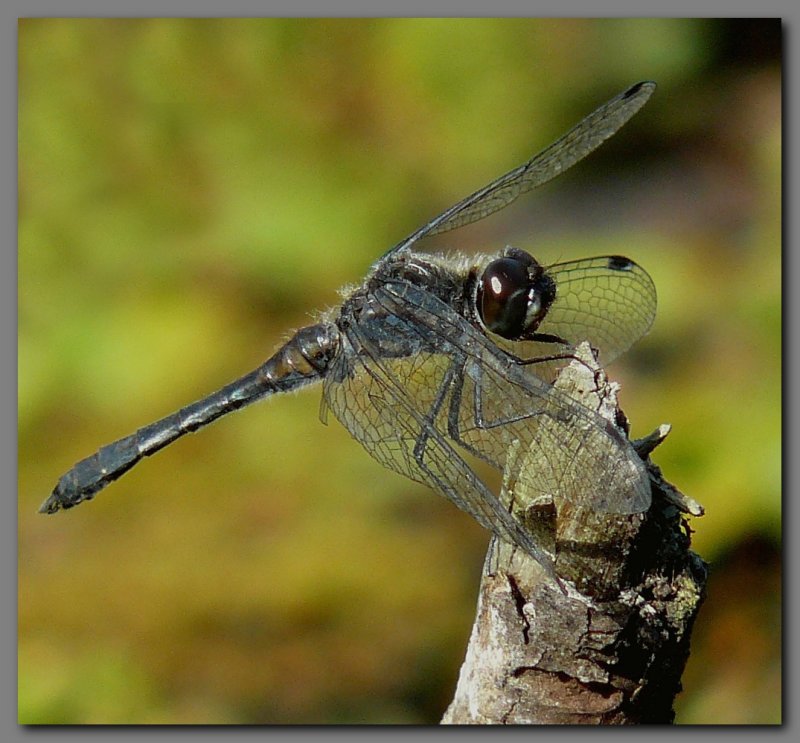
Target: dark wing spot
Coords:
[(619, 263), (633, 90)]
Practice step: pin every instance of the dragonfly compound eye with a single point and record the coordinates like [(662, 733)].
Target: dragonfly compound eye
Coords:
[(513, 297)]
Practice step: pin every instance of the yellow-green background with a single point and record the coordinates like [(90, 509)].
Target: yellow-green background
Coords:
[(190, 191)]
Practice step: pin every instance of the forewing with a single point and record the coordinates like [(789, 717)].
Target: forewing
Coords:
[(576, 144), (609, 301), (385, 404), (503, 406)]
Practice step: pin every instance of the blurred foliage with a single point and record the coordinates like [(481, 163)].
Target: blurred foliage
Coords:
[(191, 190)]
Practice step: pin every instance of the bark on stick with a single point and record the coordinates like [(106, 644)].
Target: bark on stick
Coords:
[(613, 648)]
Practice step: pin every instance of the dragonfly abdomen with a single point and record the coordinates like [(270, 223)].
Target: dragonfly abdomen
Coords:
[(300, 361)]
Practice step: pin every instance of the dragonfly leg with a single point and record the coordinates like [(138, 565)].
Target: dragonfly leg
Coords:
[(444, 388)]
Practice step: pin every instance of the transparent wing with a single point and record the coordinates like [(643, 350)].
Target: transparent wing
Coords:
[(383, 403), (459, 392), (576, 144), (495, 403), (609, 301)]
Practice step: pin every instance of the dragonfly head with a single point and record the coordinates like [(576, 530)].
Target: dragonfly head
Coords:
[(513, 295)]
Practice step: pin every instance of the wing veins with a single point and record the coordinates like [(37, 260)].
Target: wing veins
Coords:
[(481, 503), (566, 151)]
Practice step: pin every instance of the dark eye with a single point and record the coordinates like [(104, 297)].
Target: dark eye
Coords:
[(503, 296)]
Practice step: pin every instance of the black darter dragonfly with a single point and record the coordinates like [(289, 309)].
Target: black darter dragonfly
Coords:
[(419, 361)]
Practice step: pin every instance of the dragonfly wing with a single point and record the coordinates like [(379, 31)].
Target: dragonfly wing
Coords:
[(503, 406), (385, 403), (608, 301), (576, 144)]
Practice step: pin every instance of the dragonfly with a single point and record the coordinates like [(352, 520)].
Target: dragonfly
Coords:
[(420, 361)]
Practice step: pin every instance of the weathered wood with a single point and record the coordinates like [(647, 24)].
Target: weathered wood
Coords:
[(610, 645)]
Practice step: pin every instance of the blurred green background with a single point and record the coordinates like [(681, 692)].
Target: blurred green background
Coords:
[(192, 190)]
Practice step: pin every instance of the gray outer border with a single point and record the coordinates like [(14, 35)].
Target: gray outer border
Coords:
[(11, 11)]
